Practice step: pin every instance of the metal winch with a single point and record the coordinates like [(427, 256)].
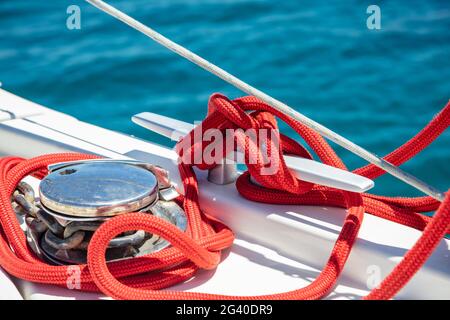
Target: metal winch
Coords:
[(75, 198)]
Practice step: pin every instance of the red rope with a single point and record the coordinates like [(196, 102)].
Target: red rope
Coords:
[(205, 238)]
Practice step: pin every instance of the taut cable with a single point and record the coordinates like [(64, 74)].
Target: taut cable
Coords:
[(276, 104)]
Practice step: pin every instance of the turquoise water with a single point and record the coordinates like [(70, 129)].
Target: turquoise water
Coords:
[(376, 87)]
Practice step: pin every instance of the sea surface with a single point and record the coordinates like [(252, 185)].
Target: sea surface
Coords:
[(375, 87)]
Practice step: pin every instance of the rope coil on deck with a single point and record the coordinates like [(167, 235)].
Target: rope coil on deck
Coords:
[(201, 245)]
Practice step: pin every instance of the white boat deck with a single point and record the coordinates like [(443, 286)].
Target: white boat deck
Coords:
[(278, 248)]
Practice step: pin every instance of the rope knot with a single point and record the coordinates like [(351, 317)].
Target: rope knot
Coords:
[(249, 128)]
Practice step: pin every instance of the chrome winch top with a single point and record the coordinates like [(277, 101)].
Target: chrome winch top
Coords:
[(98, 189), (77, 197)]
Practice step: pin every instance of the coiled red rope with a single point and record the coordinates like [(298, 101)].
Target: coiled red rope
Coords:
[(205, 238)]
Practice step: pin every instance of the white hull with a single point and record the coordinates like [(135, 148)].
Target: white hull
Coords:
[(278, 247)]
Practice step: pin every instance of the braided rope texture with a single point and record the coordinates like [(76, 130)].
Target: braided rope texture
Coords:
[(201, 245)]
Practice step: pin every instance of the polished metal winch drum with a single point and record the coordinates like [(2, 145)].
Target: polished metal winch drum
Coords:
[(75, 198)]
